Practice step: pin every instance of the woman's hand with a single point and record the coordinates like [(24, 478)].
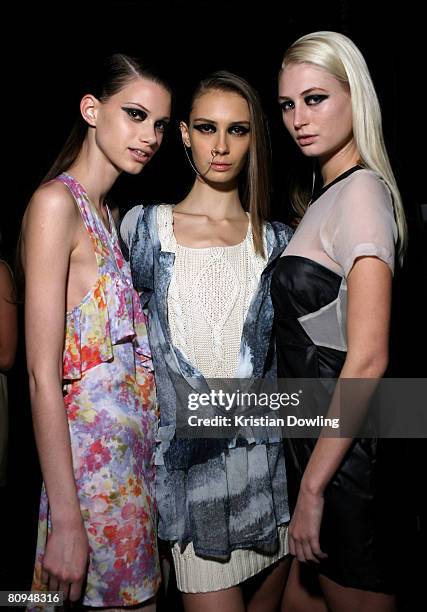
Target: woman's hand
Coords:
[(65, 560), (368, 316), (304, 527)]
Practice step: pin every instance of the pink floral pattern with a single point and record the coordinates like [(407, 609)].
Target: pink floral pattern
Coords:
[(109, 398)]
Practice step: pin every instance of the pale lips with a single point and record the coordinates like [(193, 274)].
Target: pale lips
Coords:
[(221, 165), (306, 139)]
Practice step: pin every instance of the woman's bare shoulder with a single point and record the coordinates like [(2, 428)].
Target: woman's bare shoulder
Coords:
[(51, 203)]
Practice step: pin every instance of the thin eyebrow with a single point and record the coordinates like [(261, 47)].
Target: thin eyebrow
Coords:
[(215, 122), (313, 89), (165, 118), (140, 106), (304, 93), (204, 119)]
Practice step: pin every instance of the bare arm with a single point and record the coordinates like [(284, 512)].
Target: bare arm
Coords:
[(49, 234), (368, 319), (8, 320)]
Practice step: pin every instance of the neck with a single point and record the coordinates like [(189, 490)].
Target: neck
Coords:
[(331, 167), (214, 201), (94, 172)]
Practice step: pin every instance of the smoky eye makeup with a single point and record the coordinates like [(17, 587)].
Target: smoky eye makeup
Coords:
[(239, 130), (210, 128), (162, 125), (314, 99), (205, 128), (286, 105), (136, 114)]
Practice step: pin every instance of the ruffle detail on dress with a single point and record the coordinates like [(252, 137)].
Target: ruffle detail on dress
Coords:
[(109, 315)]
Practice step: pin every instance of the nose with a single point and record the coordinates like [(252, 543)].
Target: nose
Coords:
[(149, 135), (300, 117), (221, 145)]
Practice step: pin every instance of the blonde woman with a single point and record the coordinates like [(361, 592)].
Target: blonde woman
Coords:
[(331, 292)]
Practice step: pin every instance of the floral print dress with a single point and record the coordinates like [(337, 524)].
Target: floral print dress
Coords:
[(109, 399)]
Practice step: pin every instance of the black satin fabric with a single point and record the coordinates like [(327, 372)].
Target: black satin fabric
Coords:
[(359, 528)]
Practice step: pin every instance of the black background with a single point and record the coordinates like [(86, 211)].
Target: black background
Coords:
[(51, 49)]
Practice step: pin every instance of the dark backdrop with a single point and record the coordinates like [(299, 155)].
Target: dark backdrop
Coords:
[(53, 47)]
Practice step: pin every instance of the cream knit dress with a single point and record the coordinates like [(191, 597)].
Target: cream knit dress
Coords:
[(208, 299)]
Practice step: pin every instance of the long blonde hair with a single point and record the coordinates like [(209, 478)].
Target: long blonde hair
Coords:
[(340, 57)]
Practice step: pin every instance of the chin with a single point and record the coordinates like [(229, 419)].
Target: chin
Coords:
[(310, 151), (222, 177), (134, 168), (221, 182)]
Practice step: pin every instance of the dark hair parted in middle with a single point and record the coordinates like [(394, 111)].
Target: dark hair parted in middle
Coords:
[(254, 184)]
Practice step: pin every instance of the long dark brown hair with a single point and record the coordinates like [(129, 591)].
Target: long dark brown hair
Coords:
[(115, 73), (254, 184)]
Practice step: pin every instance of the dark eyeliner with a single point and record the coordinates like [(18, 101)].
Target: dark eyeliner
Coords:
[(135, 113), (242, 130), (162, 125), (316, 99), (204, 127)]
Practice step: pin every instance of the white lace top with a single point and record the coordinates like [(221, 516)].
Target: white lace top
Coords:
[(208, 299)]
